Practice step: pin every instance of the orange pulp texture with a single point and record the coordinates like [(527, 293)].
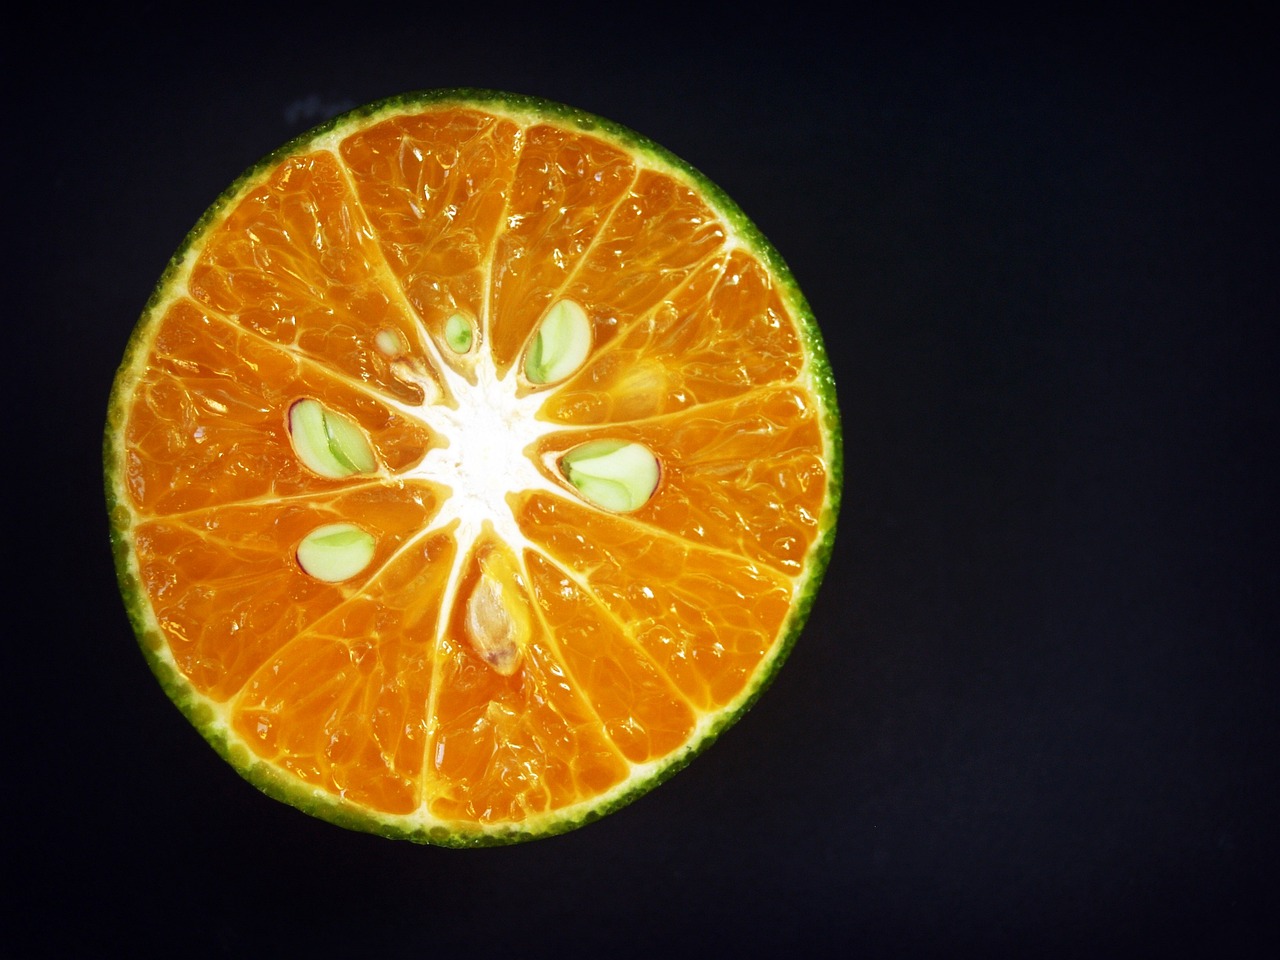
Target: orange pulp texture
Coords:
[(641, 624)]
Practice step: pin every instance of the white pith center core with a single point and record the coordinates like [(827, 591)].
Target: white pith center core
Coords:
[(485, 457)]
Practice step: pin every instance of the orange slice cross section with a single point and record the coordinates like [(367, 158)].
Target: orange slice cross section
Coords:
[(417, 610)]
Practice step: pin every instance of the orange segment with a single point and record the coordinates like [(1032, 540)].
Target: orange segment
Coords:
[(722, 332), (338, 722), (509, 748), (716, 488), (294, 263), (702, 618), (635, 704), (435, 187), (657, 236), (208, 421), (399, 604), (227, 589), (566, 186)]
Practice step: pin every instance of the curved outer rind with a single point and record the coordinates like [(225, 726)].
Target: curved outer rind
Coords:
[(200, 714)]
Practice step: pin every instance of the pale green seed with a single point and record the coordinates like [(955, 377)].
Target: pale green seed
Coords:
[(327, 442), (613, 474), (335, 552), (389, 343), (458, 333), (561, 344)]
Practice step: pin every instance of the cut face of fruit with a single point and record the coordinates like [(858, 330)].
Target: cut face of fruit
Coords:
[(473, 466)]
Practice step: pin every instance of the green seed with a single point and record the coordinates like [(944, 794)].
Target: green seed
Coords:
[(327, 442), (335, 552), (458, 333), (613, 474), (561, 344)]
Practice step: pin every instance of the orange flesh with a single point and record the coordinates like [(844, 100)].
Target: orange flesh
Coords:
[(369, 688)]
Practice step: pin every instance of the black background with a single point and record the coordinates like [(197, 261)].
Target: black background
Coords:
[(1034, 711)]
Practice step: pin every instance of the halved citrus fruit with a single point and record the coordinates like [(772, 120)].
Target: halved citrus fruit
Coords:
[(472, 466)]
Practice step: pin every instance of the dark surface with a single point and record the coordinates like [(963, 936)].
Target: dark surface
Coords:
[(1035, 708)]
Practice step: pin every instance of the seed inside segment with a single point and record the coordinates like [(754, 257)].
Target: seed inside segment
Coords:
[(498, 620), (327, 442), (614, 474), (390, 343), (458, 333), (561, 344), (335, 552)]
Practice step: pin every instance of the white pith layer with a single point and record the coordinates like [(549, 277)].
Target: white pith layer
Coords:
[(484, 459)]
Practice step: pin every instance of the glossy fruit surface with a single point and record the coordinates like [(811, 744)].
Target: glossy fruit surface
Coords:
[(472, 466)]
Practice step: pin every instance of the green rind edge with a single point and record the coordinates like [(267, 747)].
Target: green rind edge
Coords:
[(287, 790)]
